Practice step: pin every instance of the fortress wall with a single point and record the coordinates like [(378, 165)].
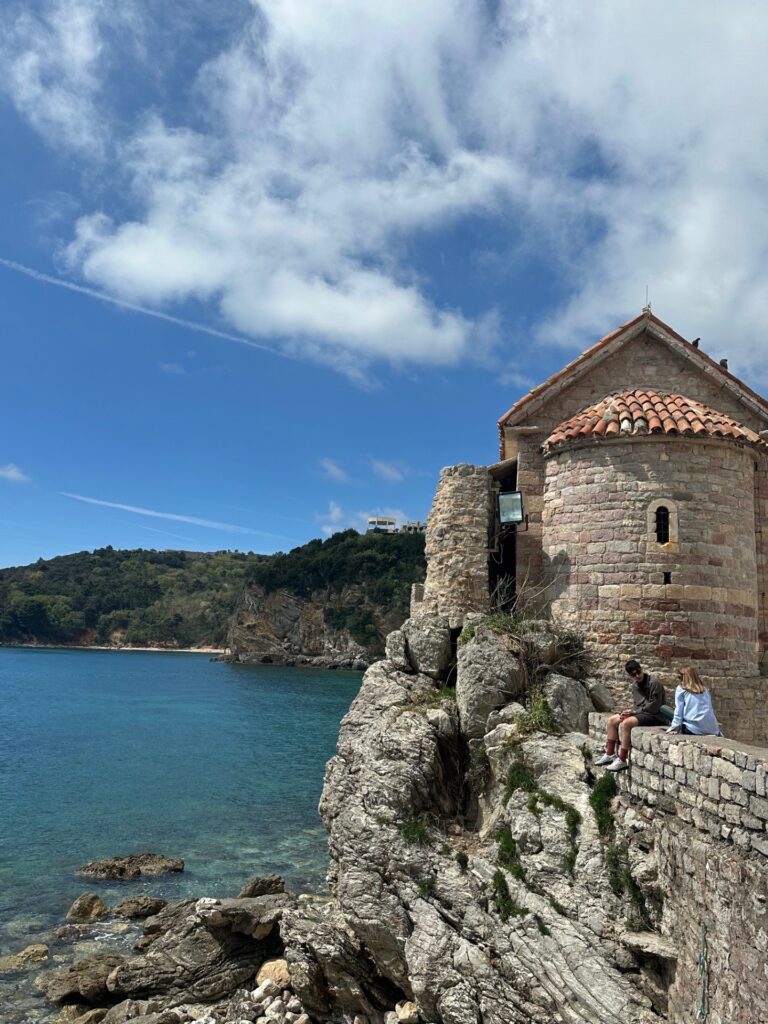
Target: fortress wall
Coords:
[(699, 806)]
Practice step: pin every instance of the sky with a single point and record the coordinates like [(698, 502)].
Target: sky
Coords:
[(266, 267)]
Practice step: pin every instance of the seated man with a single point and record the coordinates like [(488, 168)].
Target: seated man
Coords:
[(647, 696)]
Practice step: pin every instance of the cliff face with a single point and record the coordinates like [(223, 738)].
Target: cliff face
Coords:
[(283, 628)]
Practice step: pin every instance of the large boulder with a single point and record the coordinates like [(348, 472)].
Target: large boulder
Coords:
[(87, 907), (428, 645), (569, 701), (132, 866), (488, 676), (599, 694), (84, 981), (208, 949)]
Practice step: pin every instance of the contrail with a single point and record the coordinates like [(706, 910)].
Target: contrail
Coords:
[(174, 516), (93, 293)]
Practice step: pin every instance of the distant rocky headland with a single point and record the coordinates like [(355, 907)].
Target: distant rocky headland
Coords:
[(327, 603)]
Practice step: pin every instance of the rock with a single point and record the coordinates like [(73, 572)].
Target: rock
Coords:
[(262, 886), (87, 907), (131, 866), (650, 944), (85, 980), (68, 933), (26, 958), (330, 969), (407, 1013), (126, 1011), (274, 970), (203, 950), (69, 1014), (569, 701), (394, 786), (599, 694), (505, 716), (93, 1016), (170, 917), (139, 906), (488, 676), (428, 645), (266, 990), (396, 647)]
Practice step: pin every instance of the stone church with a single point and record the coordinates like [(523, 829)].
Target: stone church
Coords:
[(643, 469)]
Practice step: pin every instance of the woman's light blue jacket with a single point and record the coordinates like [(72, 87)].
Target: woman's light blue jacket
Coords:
[(694, 711)]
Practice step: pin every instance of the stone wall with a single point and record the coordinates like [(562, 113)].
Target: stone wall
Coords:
[(607, 570), (457, 544), (699, 807)]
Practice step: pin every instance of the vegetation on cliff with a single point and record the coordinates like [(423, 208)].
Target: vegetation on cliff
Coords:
[(183, 598)]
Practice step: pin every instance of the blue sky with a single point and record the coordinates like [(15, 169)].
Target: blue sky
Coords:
[(372, 226)]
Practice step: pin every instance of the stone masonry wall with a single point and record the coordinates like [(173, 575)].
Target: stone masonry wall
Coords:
[(699, 807), (607, 569), (457, 544)]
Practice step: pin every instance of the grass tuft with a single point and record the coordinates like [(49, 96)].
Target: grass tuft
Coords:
[(506, 904), (427, 886), (600, 799)]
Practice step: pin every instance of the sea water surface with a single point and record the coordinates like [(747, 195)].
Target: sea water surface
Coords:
[(105, 753)]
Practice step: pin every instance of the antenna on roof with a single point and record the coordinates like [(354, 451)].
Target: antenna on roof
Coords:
[(647, 306)]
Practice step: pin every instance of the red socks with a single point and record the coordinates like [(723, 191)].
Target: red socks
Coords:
[(623, 753), (610, 746)]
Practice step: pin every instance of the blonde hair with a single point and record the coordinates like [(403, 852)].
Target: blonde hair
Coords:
[(690, 681)]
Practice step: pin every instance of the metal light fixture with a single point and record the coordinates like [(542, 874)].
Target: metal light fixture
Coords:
[(511, 511)]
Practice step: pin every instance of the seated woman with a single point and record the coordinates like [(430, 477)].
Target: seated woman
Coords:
[(693, 707)]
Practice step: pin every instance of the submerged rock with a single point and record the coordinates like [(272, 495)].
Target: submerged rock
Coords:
[(132, 866), (28, 957)]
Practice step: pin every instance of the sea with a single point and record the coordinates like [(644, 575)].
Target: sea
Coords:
[(104, 753)]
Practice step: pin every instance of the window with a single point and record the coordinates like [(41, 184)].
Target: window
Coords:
[(662, 525)]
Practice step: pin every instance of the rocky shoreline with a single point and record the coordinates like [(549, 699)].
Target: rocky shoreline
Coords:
[(469, 880)]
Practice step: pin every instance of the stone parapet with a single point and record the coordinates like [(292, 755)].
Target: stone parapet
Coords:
[(719, 786)]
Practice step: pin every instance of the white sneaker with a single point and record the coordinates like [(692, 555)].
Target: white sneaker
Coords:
[(617, 765), (605, 759)]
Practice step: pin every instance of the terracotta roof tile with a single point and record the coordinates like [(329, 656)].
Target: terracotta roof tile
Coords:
[(629, 413)]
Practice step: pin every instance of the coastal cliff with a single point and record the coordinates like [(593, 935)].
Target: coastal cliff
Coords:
[(339, 629)]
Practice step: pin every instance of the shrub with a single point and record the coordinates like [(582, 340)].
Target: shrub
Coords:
[(462, 860), (518, 777), (427, 886), (416, 830)]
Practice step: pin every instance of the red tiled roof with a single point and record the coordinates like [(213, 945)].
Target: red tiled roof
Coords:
[(581, 363), (629, 413)]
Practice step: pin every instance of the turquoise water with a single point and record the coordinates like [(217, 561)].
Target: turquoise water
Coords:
[(105, 753)]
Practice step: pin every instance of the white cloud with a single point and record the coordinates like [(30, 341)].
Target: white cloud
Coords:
[(333, 470), (175, 369), (10, 471), (338, 518), (393, 472), (618, 143), (52, 63)]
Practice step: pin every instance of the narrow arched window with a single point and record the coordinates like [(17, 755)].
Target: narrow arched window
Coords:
[(662, 524)]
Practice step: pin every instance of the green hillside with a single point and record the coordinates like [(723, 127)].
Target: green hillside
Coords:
[(185, 599)]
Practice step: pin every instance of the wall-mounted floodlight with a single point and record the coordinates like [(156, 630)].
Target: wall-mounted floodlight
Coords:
[(511, 511)]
